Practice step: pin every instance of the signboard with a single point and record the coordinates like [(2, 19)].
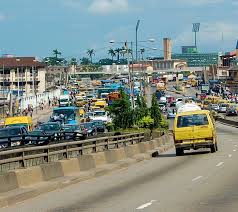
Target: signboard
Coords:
[(204, 88)]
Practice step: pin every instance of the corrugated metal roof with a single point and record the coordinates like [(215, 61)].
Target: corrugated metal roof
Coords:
[(14, 62)]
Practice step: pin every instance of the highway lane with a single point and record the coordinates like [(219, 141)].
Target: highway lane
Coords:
[(198, 181)]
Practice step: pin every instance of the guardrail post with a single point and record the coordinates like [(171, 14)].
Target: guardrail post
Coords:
[(23, 159), (47, 158), (95, 146), (132, 140), (66, 153), (107, 144), (117, 145)]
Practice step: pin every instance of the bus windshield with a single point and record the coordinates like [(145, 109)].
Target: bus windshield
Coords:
[(68, 113)]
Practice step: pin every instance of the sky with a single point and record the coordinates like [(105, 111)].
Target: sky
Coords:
[(36, 27)]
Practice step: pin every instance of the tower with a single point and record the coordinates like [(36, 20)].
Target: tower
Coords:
[(167, 49)]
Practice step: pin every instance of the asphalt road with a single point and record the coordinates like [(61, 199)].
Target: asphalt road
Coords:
[(198, 181)]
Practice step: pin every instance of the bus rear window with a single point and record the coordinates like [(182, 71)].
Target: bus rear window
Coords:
[(192, 120)]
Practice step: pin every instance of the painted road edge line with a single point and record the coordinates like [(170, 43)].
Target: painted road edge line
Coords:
[(234, 150), (230, 155), (145, 205), (196, 178), (219, 164)]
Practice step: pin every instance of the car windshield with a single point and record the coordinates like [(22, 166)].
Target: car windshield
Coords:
[(64, 100), (15, 125), (50, 127), (10, 132), (98, 123), (99, 113), (71, 127), (192, 120), (36, 132), (88, 125), (223, 105)]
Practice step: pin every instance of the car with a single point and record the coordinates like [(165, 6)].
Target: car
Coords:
[(231, 111), (53, 129), (222, 108), (89, 128), (171, 113), (37, 137), (188, 86), (74, 132), (100, 115), (214, 107), (100, 126), (12, 136)]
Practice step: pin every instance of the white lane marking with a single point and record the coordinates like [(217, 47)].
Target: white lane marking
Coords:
[(196, 178), (145, 205), (219, 164), (230, 156), (234, 150), (235, 145)]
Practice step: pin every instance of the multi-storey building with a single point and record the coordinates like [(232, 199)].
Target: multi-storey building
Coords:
[(22, 75)]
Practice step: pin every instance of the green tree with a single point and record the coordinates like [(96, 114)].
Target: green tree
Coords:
[(90, 53), (73, 61), (112, 53), (85, 61), (118, 51), (56, 52), (155, 112)]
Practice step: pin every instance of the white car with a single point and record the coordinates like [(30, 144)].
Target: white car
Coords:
[(99, 115)]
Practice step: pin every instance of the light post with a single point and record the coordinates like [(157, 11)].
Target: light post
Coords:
[(130, 77), (18, 80), (137, 27), (33, 82)]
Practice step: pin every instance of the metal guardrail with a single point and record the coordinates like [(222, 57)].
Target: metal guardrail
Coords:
[(21, 156)]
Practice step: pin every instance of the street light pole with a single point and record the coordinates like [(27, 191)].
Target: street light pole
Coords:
[(18, 81), (137, 27)]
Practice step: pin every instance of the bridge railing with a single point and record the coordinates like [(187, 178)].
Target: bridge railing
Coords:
[(32, 156)]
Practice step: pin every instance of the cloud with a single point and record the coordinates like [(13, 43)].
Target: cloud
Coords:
[(211, 34), (2, 17), (108, 6)]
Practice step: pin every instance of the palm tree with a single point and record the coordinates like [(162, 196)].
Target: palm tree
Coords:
[(123, 52), (73, 61), (118, 51), (90, 53), (56, 52), (112, 53), (142, 51)]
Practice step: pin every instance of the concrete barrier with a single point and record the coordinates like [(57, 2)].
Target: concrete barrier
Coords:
[(86, 162), (131, 150), (70, 166), (115, 155), (144, 147), (29, 176), (8, 181), (51, 171), (78, 169)]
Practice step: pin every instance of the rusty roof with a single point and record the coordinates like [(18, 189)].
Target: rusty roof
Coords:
[(14, 62)]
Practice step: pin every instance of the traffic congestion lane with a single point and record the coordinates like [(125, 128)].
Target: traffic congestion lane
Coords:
[(198, 181)]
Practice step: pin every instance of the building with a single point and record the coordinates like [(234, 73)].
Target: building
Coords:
[(167, 48), (198, 59), (158, 64), (56, 75), (22, 75)]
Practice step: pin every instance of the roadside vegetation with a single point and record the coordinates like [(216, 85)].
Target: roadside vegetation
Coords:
[(139, 119)]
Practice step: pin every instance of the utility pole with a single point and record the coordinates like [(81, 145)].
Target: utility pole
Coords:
[(137, 27)]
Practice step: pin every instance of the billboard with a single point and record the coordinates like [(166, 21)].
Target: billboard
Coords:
[(189, 49)]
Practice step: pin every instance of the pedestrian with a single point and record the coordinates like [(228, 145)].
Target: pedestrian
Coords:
[(49, 101)]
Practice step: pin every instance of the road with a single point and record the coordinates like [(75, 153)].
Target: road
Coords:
[(198, 181)]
